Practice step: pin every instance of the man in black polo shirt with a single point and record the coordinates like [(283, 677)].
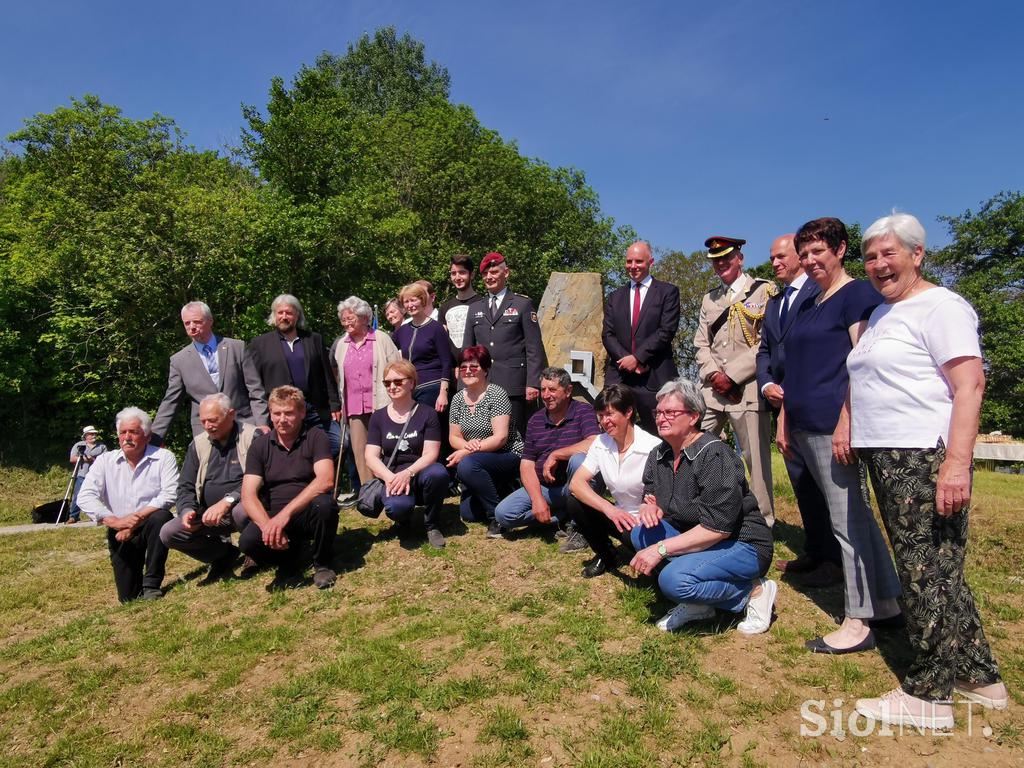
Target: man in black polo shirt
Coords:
[(286, 492), (210, 489)]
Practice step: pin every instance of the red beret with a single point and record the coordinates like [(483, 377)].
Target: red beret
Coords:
[(490, 260)]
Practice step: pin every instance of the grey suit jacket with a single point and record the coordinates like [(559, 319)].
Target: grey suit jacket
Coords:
[(188, 380)]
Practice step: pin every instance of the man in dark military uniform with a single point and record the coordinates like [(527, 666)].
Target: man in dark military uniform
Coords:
[(727, 340), (506, 324)]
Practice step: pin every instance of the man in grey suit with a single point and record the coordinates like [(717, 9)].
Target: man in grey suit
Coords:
[(208, 365)]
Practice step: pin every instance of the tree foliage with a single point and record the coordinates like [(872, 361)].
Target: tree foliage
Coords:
[(985, 264), (359, 177), (107, 226), (386, 190), (694, 276)]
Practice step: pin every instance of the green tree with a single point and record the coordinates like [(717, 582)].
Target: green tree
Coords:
[(107, 226), (694, 276), (385, 74), (985, 264), (387, 187)]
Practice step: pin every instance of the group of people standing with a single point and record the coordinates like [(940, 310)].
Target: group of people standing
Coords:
[(884, 374)]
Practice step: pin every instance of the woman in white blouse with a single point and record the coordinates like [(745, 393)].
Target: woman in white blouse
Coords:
[(618, 458)]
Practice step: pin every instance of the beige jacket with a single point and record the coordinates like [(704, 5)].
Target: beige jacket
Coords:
[(384, 352), (733, 345)]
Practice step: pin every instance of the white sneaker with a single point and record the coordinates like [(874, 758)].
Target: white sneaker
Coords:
[(759, 609), (991, 696), (682, 614), (900, 708)]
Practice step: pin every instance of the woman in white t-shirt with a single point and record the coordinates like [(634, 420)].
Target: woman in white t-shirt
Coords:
[(618, 458), (916, 385)]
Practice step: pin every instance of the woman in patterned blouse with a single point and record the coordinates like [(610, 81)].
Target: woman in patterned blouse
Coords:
[(486, 444), (699, 522)]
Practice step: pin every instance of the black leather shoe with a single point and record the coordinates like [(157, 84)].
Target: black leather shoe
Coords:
[(818, 645), (596, 566)]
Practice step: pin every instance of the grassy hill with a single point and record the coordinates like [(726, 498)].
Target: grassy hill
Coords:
[(488, 653)]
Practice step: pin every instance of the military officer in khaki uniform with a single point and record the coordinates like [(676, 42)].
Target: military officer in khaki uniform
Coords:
[(727, 339)]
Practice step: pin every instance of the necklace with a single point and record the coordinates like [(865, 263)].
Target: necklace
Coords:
[(823, 297)]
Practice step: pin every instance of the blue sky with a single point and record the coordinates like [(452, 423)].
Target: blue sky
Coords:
[(689, 118)]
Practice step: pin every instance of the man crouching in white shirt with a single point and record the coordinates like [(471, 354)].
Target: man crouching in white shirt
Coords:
[(131, 491)]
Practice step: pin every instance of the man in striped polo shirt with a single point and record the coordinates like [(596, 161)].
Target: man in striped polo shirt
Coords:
[(557, 439)]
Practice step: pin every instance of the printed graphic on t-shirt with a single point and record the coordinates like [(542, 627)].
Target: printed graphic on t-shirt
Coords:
[(404, 445), (455, 319)]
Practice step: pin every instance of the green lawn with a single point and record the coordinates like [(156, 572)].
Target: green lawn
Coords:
[(490, 653)]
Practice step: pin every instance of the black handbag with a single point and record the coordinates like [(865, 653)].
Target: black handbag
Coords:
[(370, 502)]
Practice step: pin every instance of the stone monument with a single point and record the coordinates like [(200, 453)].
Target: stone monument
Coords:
[(571, 314)]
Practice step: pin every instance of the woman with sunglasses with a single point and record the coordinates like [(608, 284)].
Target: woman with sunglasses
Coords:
[(414, 475), (700, 523), (486, 444)]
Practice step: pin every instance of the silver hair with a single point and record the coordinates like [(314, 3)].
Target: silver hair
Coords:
[(131, 413), (287, 298), (559, 375), (904, 227), (220, 399), (202, 306), (688, 392), (356, 305)]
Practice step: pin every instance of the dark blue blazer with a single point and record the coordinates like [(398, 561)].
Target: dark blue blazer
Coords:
[(771, 355)]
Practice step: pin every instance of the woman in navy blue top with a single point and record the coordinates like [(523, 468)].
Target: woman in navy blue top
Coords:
[(814, 428), (425, 343)]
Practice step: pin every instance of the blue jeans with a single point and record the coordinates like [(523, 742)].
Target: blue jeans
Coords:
[(721, 576), (76, 513), (429, 488), (516, 509), (483, 474), (331, 428)]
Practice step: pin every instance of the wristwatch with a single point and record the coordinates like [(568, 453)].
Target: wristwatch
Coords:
[(231, 499), (661, 549)]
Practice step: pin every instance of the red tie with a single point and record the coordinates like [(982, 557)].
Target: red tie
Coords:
[(636, 316)]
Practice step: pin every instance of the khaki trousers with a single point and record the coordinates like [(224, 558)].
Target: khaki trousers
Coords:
[(753, 430), (358, 430)]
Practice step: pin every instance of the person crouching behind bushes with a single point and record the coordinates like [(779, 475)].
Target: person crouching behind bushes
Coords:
[(403, 444), (700, 522), (618, 458)]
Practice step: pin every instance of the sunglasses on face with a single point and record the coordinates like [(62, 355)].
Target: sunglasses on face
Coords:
[(469, 368), (394, 382)]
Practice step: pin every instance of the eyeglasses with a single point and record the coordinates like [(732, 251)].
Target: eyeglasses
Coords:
[(394, 382), (469, 368), (671, 415)]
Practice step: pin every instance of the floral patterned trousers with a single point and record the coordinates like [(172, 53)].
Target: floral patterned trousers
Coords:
[(942, 619)]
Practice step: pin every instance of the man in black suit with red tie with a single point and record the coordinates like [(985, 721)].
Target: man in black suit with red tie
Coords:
[(640, 322), (821, 563)]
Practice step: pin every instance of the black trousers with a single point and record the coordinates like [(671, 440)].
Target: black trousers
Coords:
[(139, 562), (318, 521), (645, 403), (596, 528), (522, 410)]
